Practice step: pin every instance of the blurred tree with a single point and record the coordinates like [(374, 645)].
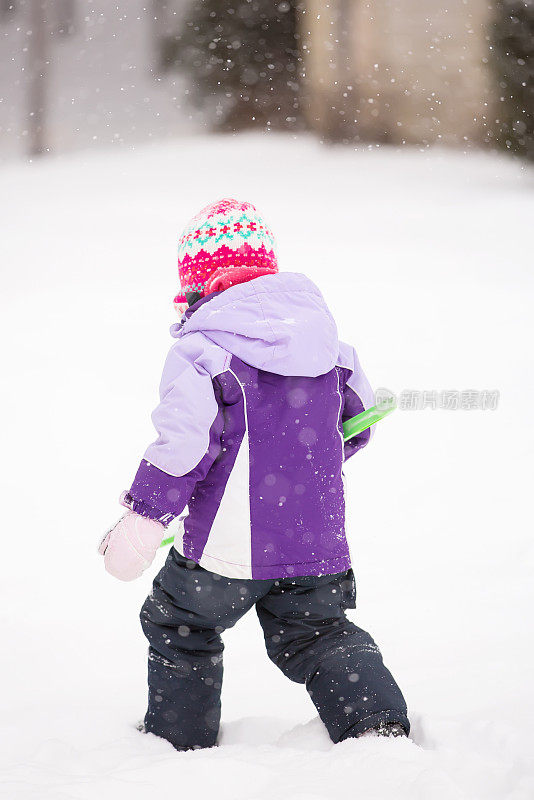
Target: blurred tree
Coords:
[(513, 37), (38, 72), (243, 61), (7, 10), (65, 16)]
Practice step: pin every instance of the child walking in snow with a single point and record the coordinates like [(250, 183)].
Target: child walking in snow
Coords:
[(253, 396)]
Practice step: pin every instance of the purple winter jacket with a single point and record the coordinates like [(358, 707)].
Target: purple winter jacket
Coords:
[(253, 396)]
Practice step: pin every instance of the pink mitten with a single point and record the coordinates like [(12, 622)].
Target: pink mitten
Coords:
[(130, 546)]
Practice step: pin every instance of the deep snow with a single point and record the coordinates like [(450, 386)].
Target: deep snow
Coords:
[(424, 258)]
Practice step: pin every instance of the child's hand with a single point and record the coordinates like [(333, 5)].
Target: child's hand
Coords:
[(131, 545)]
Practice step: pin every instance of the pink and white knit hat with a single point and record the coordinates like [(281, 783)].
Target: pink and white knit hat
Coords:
[(225, 244)]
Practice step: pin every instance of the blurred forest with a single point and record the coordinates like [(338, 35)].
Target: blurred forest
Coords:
[(77, 74)]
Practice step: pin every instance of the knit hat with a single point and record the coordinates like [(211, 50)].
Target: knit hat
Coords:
[(225, 244)]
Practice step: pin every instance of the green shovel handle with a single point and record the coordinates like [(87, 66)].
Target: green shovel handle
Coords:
[(362, 421), (165, 542)]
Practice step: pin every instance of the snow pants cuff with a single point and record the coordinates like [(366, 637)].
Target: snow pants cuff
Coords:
[(389, 717)]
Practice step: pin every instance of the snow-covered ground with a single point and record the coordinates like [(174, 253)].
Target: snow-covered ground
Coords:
[(425, 259)]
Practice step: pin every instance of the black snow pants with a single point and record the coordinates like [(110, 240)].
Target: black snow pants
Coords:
[(306, 633)]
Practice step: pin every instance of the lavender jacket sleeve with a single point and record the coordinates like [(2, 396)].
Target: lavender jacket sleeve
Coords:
[(357, 396), (189, 423)]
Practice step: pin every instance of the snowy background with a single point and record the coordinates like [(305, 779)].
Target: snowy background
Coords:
[(425, 259)]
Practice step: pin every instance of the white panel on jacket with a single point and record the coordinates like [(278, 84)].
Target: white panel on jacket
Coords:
[(228, 550)]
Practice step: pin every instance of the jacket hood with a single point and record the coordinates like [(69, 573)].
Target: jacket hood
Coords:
[(278, 323)]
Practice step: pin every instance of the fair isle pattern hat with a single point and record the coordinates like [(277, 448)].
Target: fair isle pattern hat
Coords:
[(226, 243)]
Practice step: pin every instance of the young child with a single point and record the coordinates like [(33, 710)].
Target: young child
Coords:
[(253, 396)]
